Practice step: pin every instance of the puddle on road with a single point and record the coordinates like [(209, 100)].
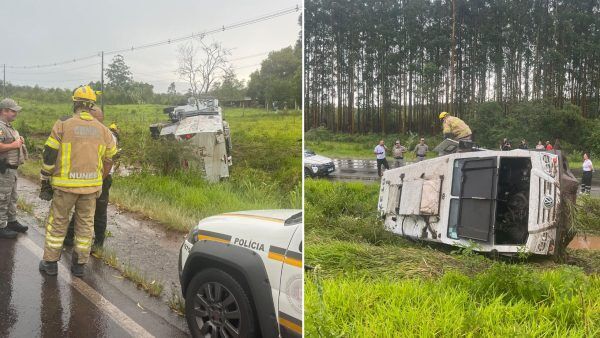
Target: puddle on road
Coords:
[(585, 243)]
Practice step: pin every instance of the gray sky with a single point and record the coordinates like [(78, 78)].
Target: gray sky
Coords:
[(41, 32)]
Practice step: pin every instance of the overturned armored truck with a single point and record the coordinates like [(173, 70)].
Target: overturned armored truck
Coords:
[(200, 123), (504, 201)]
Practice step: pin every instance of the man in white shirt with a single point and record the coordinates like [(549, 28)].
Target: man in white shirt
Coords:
[(586, 180), (379, 151)]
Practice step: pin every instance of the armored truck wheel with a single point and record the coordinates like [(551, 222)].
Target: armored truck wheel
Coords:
[(217, 306)]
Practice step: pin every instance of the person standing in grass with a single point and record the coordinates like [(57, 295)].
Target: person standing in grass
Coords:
[(379, 151), (586, 179), (421, 150), (398, 154)]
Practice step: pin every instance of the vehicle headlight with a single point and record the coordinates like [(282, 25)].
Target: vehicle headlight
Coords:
[(192, 237), (315, 168)]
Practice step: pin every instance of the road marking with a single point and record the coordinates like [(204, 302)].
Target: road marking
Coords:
[(92, 295)]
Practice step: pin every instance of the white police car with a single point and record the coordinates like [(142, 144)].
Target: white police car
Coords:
[(317, 165), (241, 275)]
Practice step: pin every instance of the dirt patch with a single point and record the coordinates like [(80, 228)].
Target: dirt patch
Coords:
[(585, 242)]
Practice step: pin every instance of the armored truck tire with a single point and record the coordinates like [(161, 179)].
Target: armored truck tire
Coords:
[(216, 305)]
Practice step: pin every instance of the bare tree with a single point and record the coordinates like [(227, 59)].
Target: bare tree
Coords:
[(200, 64)]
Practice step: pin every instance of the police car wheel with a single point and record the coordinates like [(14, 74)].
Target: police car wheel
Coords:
[(217, 306)]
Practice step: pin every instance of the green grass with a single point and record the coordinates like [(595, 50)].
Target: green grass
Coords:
[(503, 301), (587, 217), (266, 154), (369, 282), (360, 146)]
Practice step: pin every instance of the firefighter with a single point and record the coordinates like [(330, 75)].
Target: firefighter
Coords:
[(12, 154), (455, 128), (100, 215), (75, 154)]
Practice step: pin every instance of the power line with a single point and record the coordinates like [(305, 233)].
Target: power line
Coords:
[(223, 28), (36, 72)]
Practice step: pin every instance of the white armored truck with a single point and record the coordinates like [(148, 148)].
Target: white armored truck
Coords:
[(201, 124), (503, 202)]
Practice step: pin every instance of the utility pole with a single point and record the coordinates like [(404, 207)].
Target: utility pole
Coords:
[(4, 80), (102, 83)]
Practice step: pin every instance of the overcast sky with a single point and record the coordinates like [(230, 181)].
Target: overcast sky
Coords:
[(41, 32)]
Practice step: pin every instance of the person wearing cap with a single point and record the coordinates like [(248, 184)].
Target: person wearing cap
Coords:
[(75, 154), (100, 215), (398, 154), (12, 154), (421, 150), (455, 128)]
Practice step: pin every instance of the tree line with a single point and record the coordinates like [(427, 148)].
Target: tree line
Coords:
[(392, 66)]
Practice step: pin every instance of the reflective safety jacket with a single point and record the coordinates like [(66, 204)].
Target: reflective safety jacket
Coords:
[(75, 151), (457, 127)]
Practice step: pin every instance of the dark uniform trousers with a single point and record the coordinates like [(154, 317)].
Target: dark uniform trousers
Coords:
[(100, 216)]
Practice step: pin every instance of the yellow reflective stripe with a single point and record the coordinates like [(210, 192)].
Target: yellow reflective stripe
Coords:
[(86, 116), (52, 143), (54, 246), (49, 222), (73, 183), (83, 244), (50, 238), (47, 167), (101, 150), (111, 152), (65, 160)]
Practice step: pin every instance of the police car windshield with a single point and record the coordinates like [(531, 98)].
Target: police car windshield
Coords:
[(309, 153), (294, 219)]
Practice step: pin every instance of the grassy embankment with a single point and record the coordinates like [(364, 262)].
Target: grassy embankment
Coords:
[(265, 174), (367, 282)]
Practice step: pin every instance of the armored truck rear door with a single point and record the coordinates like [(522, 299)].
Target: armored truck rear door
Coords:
[(477, 199)]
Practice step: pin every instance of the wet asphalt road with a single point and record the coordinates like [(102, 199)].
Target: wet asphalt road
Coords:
[(101, 304)]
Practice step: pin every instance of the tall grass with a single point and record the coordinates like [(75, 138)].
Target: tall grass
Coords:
[(504, 301), (266, 154), (180, 200), (368, 282)]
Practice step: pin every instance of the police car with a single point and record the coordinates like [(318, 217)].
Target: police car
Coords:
[(241, 275), (317, 165)]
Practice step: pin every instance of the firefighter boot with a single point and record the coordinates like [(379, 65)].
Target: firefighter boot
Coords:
[(50, 268), (76, 268), (7, 233), (16, 226)]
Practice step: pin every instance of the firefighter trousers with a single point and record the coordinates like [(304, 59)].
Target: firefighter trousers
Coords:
[(58, 221), (100, 216)]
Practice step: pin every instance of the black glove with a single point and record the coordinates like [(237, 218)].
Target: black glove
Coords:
[(46, 191)]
